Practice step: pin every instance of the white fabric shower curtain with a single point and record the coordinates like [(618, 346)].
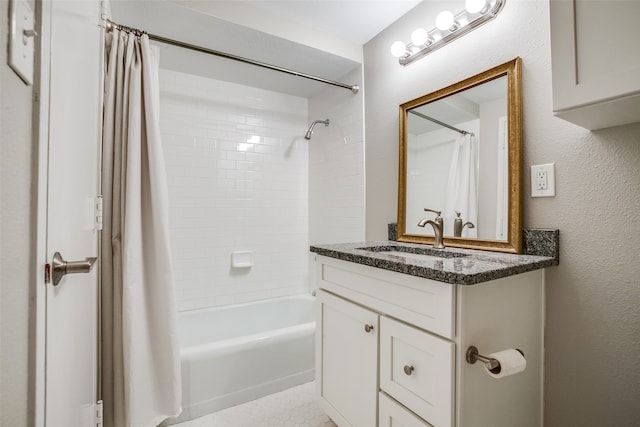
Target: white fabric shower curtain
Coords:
[(462, 185), (141, 383)]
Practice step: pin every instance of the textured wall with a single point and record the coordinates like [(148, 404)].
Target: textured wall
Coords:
[(16, 212), (592, 332), (237, 172)]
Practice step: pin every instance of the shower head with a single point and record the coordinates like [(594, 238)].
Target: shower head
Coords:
[(310, 131)]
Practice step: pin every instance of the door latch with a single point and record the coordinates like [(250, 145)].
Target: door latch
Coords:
[(61, 267)]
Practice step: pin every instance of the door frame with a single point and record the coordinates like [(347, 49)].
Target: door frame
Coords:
[(41, 127)]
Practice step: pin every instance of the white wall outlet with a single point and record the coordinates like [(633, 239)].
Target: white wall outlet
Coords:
[(543, 180)]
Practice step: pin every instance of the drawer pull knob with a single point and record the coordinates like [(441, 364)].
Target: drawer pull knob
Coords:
[(368, 328), (408, 369)]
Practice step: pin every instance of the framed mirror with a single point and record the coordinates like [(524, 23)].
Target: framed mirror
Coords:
[(461, 155)]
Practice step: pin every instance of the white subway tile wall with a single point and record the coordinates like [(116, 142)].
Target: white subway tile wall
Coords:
[(237, 167), (336, 166)]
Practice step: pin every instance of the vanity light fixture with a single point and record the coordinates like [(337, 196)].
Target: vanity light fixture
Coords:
[(445, 21), (448, 28)]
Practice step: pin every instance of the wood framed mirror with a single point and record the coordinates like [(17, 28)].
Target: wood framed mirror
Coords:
[(461, 154)]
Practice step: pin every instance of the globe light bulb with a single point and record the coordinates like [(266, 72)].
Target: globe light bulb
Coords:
[(444, 20), (474, 6), (419, 37), (398, 49)]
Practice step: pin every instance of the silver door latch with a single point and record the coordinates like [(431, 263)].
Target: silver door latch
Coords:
[(61, 267)]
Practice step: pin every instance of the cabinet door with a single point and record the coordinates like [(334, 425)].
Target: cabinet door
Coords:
[(393, 414), (595, 61), (416, 369), (346, 361)]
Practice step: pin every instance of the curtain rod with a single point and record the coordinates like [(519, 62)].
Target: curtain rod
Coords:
[(464, 132), (110, 25)]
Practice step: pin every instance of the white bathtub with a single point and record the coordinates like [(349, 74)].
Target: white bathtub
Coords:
[(238, 353)]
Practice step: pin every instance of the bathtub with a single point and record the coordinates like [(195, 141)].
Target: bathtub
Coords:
[(238, 353)]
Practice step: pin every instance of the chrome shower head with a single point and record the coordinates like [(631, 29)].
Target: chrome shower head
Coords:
[(310, 131)]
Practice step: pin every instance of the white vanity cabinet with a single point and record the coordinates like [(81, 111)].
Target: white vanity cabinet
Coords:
[(595, 62), (390, 348)]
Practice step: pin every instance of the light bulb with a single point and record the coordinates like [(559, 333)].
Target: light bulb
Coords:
[(444, 20), (419, 37), (398, 49), (474, 6)]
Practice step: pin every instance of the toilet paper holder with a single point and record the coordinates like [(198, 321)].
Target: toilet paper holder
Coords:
[(473, 355)]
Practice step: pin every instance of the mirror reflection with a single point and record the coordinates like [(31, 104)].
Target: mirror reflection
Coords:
[(456, 150), (460, 150)]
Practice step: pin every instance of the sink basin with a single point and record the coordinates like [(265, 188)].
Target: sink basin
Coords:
[(418, 257), (409, 252)]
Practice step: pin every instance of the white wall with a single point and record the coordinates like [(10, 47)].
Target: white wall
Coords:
[(592, 366), (16, 236), (260, 19), (230, 192), (336, 165)]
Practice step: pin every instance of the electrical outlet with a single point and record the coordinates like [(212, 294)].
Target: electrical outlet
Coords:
[(543, 180)]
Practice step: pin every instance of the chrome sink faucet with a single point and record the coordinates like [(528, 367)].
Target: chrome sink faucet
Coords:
[(438, 227)]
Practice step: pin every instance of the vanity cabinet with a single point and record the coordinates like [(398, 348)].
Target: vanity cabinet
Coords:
[(390, 348), (595, 62)]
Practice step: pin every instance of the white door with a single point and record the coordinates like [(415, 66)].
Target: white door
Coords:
[(73, 74)]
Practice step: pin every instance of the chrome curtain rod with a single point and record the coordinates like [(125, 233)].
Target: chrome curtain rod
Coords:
[(111, 25), (431, 119)]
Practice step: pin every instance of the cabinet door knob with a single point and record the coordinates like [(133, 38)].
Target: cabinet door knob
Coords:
[(408, 369), (368, 328)]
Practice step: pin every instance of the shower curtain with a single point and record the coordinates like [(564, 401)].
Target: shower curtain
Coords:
[(462, 185), (141, 383)]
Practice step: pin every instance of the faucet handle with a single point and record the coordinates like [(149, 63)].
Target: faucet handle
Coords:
[(438, 213)]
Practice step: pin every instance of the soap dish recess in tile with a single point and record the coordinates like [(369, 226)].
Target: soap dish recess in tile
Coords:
[(242, 259)]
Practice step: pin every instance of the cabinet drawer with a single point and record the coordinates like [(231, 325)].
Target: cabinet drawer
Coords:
[(394, 415), (425, 303), (417, 369)]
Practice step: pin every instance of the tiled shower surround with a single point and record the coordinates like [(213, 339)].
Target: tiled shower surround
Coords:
[(336, 166), (237, 167)]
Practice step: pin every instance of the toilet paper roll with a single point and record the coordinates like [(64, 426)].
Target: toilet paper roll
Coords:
[(511, 362)]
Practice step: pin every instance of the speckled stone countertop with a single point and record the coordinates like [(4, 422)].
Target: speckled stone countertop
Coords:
[(452, 265)]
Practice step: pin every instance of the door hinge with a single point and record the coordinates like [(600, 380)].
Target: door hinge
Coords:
[(105, 13), (98, 213), (98, 413)]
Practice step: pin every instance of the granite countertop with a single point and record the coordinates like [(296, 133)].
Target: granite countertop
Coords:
[(449, 265)]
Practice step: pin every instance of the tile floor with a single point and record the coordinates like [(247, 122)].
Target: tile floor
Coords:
[(294, 407)]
